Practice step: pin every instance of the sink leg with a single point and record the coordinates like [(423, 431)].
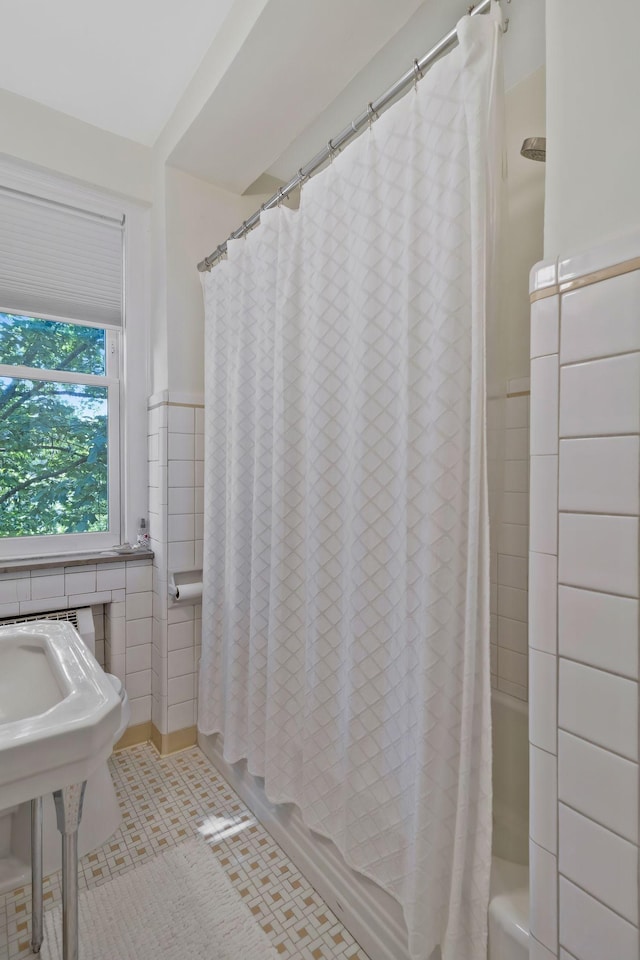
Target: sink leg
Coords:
[(68, 815), (36, 874)]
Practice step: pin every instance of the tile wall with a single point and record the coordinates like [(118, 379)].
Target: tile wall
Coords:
[(123, 632), (509, 483), (176, 504), (584, 587)]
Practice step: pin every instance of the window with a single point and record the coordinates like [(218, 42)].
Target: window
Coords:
[(59, 428), (66, 452)]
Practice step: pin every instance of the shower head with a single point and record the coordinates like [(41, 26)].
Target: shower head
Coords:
[(534, 148)]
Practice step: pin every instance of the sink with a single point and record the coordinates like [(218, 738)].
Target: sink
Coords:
[(58, 710)]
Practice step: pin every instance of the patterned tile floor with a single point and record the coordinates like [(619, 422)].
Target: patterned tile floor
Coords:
[(167, 800)]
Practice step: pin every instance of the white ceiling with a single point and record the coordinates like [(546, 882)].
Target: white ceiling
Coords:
[(121, 65)]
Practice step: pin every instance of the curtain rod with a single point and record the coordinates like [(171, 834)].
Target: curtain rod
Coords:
[(354, 128)]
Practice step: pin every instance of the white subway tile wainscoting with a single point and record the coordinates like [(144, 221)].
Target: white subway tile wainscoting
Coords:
[(119, 592), (176, 498), (583, 604)]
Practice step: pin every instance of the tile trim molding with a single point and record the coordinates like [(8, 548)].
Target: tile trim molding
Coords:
[(139, 733), (166, 743), (596, 276)]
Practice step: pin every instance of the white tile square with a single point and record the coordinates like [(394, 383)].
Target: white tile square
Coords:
[(181, 473), (181, 499), (516, 413), (152, 447), (43, 606), (181, 555), (599, 707), (543, 913), (199, 446), (82, 582), (512, 666), (601, 319), (180, 527), (543, 591), (157, 418), (516, 475), (542, 700), (181, 662), (512, 603), (111, 576), (138, 658), (543, 505), (89, 599), (199, 499), (181, 689), (42, 587), (600, 475), (544, 406), (512, 634), (515, 507), (181, 446), (603, 864), (181, 715), (590, 930), (198, 473), (599, 553), (9, 609), (513, 539), (139, 605), (180, 635), (600, 397), (140, 711), (181, 419), (543, 798), (138, 684), (16, 590), (599, 629), (139, 577), (513, 572), (179, 612), (139, 631), (599, 784), (516, 444), (544, 326)]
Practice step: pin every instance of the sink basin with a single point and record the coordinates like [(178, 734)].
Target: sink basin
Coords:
[(58, 710)]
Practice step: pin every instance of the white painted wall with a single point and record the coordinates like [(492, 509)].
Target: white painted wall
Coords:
[(199, 216), (55, 141), (593, 130), (525, 117)]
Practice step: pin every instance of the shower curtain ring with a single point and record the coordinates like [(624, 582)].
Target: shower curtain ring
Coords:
[(418, 74), (332, 150), (373, 114), (303, 179)]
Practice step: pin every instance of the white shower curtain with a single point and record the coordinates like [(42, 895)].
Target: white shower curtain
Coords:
[(346, 613)]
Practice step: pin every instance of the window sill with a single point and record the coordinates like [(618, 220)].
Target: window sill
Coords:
[(72, 560)]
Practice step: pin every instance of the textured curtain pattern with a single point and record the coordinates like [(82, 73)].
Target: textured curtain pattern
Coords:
[(346, 616)]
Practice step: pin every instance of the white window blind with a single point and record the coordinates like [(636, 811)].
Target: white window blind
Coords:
[(58, 261)]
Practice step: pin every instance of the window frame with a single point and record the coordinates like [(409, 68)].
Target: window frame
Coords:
[(85, 541), (134, 347)]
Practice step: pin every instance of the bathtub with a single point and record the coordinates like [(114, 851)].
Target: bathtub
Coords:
[(509, 902)]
